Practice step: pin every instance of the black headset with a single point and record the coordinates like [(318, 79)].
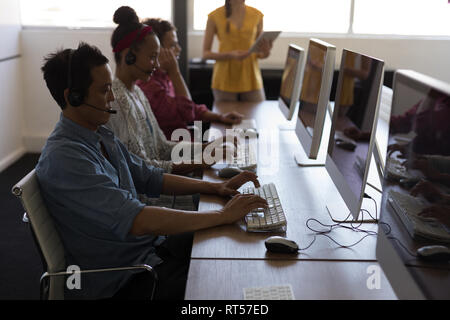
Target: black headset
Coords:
[(75, 96)]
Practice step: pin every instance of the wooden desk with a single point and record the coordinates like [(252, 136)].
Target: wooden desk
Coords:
[(226, 279), (411, 278), (227, 259), (303, 192)]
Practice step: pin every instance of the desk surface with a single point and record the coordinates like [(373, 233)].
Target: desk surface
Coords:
[(309, 279), (303, 192), (229, 258), (431, 280)]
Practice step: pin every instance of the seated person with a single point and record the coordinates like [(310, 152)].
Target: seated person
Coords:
[(167, 91), (432, 112), (89, 182), (135, 124)]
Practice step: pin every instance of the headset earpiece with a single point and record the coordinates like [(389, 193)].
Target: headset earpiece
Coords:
[(75, 97), (130, 57)]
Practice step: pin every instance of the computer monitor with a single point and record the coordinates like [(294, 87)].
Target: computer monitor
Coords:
[(418, 160), (291, 83), (314, 100), (353, 130)]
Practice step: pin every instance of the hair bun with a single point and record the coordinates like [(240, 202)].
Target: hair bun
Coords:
[(125, 15)]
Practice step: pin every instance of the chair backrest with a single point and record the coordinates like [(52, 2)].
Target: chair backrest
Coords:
[(27, 190)]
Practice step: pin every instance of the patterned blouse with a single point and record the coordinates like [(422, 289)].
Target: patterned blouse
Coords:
[(137, 128)]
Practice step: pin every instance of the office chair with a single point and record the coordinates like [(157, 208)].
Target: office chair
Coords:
[(49, 244)]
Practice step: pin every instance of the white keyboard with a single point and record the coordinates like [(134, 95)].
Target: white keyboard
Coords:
[(408, 208), (269, 293), (245, 155), (270, 219)]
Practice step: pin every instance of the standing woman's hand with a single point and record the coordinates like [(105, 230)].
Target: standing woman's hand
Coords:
[(238, 54), (264, 48)]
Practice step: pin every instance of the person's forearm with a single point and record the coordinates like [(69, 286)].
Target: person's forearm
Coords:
[(216, 55), (179, 185), (211, 116), (164, 221), (179, 84)]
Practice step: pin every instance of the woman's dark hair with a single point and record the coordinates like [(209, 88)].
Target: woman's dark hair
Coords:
[(56, 70), (127, 21), (160, 26), (228, 13)]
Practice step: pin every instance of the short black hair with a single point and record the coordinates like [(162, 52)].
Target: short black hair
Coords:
[(159, 26), (56, 70)]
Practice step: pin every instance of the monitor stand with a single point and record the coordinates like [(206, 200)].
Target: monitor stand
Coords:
[(368, 213), (304, 161), (288, 125)]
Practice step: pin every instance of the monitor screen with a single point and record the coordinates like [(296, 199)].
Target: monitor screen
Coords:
[(418, 159), (356, 106), (311, 85), (289, 73)]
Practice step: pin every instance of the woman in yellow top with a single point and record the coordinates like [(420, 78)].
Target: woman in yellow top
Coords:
[(236, 74)]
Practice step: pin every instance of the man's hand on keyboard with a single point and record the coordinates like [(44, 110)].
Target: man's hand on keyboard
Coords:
[(240, 205), (229, 188)]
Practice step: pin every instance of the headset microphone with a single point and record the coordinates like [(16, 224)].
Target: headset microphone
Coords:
[(149, 73), (100, 109)]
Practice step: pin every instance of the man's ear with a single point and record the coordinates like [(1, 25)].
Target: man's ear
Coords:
[(66, 96)]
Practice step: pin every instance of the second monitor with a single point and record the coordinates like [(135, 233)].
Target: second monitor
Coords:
[(314, 101)]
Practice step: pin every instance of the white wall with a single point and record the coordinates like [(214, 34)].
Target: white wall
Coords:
[(11, 145), (428, 56), (41, 112)]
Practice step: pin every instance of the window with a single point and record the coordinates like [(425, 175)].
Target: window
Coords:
[(391, 17), (322, 16), (87, 13), (402, 17)]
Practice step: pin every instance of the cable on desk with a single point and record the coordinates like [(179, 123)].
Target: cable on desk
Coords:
[(340, 225)]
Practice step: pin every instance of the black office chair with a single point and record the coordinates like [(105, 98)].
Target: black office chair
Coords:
[(49, 244)]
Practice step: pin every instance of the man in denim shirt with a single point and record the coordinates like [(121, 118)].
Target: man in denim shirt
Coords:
[(90, 184)]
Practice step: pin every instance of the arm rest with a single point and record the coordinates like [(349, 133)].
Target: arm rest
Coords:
[(139, 266)]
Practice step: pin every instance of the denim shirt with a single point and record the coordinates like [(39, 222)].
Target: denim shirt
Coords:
[(94, 201)]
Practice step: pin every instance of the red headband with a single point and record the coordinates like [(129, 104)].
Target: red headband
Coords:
[(129, 38)]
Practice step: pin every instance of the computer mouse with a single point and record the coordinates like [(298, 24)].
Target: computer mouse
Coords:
[(434, 253), (278, 244), (229, 172), (346, 145), (251, 132)]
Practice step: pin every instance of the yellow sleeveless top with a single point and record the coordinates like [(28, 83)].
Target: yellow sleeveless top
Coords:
[(236, 75)]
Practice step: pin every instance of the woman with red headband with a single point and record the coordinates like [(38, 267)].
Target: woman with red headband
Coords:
[(167, 91), (136, 49)]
